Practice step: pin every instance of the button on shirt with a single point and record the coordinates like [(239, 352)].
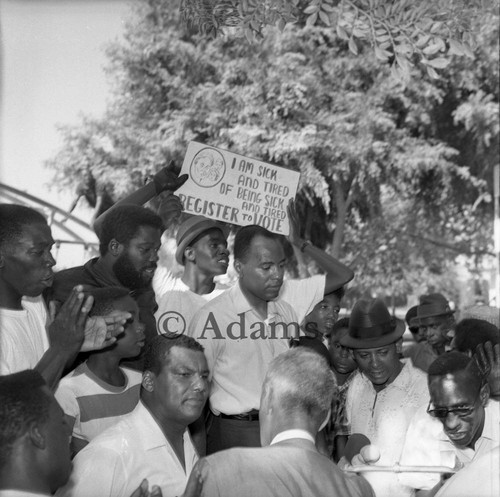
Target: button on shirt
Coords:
[(239, 347), (384, 417), (115, 463)]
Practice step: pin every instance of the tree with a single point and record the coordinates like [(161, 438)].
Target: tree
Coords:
[(400, 32), (388, 180)]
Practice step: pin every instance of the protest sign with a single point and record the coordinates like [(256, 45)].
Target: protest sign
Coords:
[(235, 189)]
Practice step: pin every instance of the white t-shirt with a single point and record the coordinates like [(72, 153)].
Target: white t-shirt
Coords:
[(23, 336), (177, 304)]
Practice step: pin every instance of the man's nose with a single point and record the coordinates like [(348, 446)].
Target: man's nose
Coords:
[(200, 383), (451, 421), (154, 257), (50, 260)]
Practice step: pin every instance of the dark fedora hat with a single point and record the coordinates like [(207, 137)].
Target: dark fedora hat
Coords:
[(371, 326), (191, 229), (431, 306)]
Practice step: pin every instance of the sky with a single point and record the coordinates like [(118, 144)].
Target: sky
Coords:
[(51, 69)]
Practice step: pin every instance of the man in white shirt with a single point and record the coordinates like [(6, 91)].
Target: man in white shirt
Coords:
[(202, 250), (152, 441), (385, 393), (459, 425), (27, 339), (296, 399)]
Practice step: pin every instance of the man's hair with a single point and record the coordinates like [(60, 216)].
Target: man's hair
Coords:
[(471, 332), (13, 219), (122, 224), (104, 299), (22, 403), (339, 325), (299, 380), (244, 237), (158, 349), (455, 362)]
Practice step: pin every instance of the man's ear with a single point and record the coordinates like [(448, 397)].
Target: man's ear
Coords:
[(37, 436), (189, 254), (148, 381), (237, 266), (484, 394), (115, 247)]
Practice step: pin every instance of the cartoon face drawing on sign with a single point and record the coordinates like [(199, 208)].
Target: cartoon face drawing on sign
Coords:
[(208, 167)]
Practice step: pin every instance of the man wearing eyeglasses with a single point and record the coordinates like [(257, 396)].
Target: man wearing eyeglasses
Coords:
[(459, 425)]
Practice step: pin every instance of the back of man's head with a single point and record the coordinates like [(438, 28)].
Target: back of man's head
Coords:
[(299, 383), (471, 332), (123, 222), (22, 403), (13, 219), (244, 237), (157, 350)]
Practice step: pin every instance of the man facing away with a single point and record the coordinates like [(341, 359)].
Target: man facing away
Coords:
[(152, 441), (296, 398)]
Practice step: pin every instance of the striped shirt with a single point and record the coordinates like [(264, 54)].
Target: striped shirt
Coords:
[(92, 405)]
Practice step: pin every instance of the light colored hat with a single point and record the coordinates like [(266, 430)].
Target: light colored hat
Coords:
[(190, 229)]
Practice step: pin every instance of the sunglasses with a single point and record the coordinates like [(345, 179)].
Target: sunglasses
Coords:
[(460, 411)]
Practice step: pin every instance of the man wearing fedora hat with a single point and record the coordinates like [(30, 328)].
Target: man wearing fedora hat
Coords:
[(385, 392), (434, 318)]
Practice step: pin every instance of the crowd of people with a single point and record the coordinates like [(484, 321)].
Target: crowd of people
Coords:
[(118, 378)]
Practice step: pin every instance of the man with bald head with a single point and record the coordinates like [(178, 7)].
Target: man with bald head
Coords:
[(459, 425)]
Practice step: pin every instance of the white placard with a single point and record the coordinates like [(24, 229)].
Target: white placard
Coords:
[(236, 189)]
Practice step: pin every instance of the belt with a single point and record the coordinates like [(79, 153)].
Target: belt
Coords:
[(252, 415)]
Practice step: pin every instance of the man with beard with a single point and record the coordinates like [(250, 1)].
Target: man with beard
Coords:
[(130, 237)]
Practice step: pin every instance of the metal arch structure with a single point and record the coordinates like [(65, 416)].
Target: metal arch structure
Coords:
[(74, 231)]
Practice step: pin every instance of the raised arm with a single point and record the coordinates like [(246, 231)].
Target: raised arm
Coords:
[(163, 181), (337, 274)]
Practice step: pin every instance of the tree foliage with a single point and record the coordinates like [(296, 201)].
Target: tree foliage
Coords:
[(394, 178), (401, 33)]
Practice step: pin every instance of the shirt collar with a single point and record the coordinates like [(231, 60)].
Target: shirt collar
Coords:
[(289, 434), (241, 304), (151, 434)]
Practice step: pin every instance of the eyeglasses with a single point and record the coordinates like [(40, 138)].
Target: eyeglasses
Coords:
[(460, 411)]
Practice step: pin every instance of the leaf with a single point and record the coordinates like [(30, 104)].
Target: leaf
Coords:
[(438, 63), (432, 49), (327, 8), (423, 40), (281, 24), (342, 33), (311, 9), (432, 73), (382, 54), (353, 47), (311, 20), (456, 48), (324, 17)]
